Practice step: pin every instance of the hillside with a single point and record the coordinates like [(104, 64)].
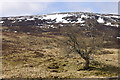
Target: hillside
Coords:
[(52, 22), (34, 46), (71, 17), (30, 56)]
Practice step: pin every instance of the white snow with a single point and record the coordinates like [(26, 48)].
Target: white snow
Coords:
[(65, 21), (116, 25), (1, 21), (21, 18), (28, 32), (118, 37), (100, 20), (41, 26), (61, 25), (84, 16), (15, 31), (58, 17), (53, 26), (30, 19), (13, 21), (73, 21), (107, 16), (10, 18), (40, 18), (115, 16), (82, 24), (80, 20), (38, 24), (110, 24)]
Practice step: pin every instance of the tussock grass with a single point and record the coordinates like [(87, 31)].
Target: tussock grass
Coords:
[(30, 56)]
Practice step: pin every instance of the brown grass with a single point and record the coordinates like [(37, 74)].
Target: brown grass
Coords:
[(30, 56)]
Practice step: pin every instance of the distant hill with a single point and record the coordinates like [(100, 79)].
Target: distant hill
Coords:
[(107, 23), (70, 17)]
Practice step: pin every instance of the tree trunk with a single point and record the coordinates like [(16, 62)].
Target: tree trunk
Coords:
[(86, 58), (87, 62)]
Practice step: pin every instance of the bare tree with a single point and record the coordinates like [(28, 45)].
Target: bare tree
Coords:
[(83, 42)]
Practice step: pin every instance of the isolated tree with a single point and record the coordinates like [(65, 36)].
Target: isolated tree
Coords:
[(83, 42)]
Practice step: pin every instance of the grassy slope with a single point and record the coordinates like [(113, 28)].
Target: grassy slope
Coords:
[(29, 56)]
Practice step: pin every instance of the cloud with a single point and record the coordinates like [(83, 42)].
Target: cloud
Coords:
[(20, 8), (34, 8)]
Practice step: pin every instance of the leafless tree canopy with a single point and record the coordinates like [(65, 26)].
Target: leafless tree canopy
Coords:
[(82, 42)]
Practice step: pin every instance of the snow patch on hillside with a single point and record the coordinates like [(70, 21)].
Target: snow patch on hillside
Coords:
[(58, 17), (106, 19), (100, 20), (84, 16), (1, 22), (30, 19), (110, 24), (80, 20)]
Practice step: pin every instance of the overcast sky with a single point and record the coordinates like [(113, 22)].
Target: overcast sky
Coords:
[(17, 8)]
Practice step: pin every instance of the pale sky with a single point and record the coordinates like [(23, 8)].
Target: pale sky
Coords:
[(16, 8)]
